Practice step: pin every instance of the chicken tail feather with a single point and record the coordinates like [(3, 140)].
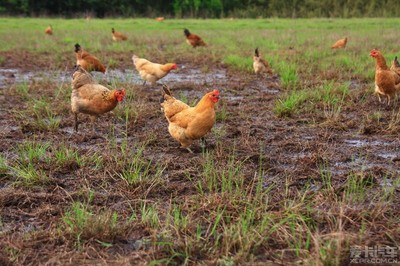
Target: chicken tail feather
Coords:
[(77, 47), (256, 53), (166, 90)]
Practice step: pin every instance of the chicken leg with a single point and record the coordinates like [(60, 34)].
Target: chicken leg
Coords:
[(76, 122), (203, 142)]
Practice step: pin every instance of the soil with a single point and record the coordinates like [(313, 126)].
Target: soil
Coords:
[(300, 148)]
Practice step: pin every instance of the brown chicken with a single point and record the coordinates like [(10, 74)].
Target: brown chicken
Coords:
[(151, 72), (260, 65), (395, 66), (187, 124), (387, 82), (118, 36), (193, 39), (89, 97), (340, 44), (49, 30), (88, 61)]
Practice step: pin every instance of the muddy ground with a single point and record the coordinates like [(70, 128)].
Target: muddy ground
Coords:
[(300, 148)]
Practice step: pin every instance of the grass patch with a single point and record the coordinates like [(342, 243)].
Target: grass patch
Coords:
[(39, 116), (138, 170), (83, 225), (330, 95), (240, 63), (28, 175)]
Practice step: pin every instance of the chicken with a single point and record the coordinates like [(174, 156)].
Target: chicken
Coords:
[(193, 39), (118, 36), (159, 18), (151, 72), (89, 97), (88, 61), (49, 30), (260, 65), (395, 66), (340, 44), (186, 123), (387, 82)]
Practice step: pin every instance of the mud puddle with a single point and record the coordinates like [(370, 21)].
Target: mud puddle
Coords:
[(183, 75)]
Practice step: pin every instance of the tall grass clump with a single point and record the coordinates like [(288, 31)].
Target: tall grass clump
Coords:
[(288, 74), (64, 156), (32, 152), (330, 94), (222, 178), (39, 115), (28, 175), (290, 104), (27, 168), (138, 170), (83, 224), (239, 63)]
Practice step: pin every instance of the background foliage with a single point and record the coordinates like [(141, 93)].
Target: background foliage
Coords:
[(203, 8)]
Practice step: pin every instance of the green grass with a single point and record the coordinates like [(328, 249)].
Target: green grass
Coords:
[(32, 152), (240, 63), (64, 156), (39, 116), (331, 95), (84, 225), (28, 175), (138, 170)]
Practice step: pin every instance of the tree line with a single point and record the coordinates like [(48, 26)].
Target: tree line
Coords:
[(202, 8)]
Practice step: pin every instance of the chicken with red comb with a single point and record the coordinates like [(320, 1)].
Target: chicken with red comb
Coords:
[(186, 123), (387, 82)]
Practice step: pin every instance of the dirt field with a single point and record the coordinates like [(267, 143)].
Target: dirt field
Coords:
[(294, 153)]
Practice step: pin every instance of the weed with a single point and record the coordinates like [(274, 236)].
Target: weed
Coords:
[(222, 113), (240, 63), (356, 187), (32, 152), (22, 89), (179, 220), (149, 216), (393, 125), (3, 165), (28, 175), (83, 225), (39, 115), (112, 63), (290, 104), (139, 170), (64, 155), (288, 73)]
